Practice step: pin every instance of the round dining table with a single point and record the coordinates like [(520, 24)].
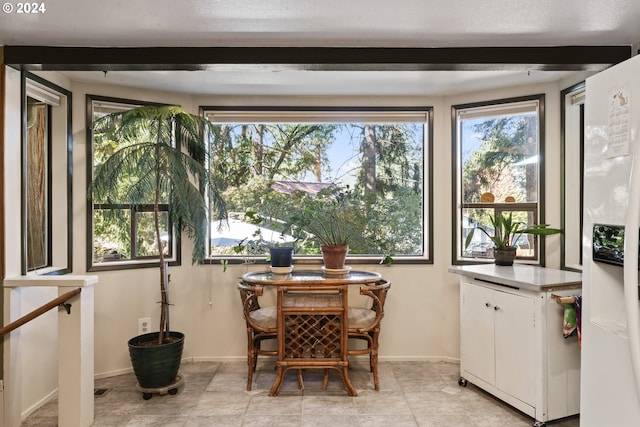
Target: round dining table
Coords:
[(312, 319), (312, 277)]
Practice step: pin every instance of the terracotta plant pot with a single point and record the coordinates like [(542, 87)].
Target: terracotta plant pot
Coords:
[(504, 256), (334, 256)]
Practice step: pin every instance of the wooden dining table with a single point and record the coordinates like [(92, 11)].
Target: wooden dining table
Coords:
[(312, 320)]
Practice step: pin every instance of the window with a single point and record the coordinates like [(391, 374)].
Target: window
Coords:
[(497, 149), (275, 160), (38, 183), (46, 177), (572, 168), (111, 245)]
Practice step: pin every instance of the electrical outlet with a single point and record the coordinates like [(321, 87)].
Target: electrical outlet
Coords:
[(144, 325)]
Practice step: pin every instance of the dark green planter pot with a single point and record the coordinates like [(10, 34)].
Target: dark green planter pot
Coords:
[(281, 256), (504, 256), (156, 366)]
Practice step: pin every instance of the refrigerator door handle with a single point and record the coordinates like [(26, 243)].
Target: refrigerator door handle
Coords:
[(631, 237)]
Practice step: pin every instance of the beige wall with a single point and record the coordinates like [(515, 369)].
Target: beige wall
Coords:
[(422, 320)]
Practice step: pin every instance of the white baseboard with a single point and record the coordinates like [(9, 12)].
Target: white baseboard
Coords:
[(30, 410)]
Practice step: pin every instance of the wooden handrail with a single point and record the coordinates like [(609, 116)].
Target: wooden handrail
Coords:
[(39, 311)]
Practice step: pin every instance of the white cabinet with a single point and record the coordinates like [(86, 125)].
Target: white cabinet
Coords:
[(511, 341), (498, 333)]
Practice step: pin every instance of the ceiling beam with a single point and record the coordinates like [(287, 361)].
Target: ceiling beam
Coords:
[(557, 58)]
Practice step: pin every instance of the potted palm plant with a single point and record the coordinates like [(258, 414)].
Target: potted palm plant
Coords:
[(161, 155), (507, 232)]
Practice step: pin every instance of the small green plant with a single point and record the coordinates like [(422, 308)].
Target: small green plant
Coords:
[(255, 245), (507, 232)]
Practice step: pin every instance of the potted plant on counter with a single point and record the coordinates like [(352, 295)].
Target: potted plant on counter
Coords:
[(160, 157), (507, 232)]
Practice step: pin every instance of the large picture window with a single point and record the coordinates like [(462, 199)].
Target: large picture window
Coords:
[(111, 244), (498, 150), (274, 161)]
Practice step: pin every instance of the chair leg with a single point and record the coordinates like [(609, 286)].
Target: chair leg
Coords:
[(252, 359), (250, 368), (255, 350), (374, 369), (275, 388), (373, 360)]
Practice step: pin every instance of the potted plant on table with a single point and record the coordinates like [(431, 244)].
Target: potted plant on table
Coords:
[(333, 217), (507, 232), (281, 258), (161, 156), (280, 253)]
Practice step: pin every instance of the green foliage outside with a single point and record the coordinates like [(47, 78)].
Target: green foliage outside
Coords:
[(110, 237), (383, 173), (495, 159), (384, 181), (493, 166)]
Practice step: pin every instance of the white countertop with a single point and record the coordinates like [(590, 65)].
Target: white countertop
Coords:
[(520, 276)]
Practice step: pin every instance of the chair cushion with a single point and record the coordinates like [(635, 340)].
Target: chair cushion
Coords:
[(265, 317), (361, 317)]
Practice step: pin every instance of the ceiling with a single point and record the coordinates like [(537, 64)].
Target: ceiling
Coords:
[(323, 23)]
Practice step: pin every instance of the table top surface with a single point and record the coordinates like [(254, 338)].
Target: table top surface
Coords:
[(311, 277)]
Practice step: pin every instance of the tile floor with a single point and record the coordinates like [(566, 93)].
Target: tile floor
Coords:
[(422, 394)]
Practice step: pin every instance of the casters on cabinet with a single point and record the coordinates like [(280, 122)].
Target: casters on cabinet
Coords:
[(462, 382), (539, 424)]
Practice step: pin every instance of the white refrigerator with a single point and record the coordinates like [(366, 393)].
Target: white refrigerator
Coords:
[(610, 364)]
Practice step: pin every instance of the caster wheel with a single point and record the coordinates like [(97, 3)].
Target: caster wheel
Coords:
[(146, 396), (173, 391), (539, 424), (462, 382)]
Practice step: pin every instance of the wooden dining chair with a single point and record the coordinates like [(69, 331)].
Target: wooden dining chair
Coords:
[(261, 326), (364, 324)]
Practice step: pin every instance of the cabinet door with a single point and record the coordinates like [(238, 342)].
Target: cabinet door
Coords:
[(515, 345), (476, 331)]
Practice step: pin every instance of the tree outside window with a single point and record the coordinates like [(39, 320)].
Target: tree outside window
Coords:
[(497, 147), (112, 245), (277, 162)]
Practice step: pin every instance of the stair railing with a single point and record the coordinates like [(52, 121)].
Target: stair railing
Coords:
[(60, 301)]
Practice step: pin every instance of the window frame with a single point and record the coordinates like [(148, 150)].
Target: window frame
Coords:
[(59, 243), (457, 205), (572, 134), (352, 112), (135, 261)]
